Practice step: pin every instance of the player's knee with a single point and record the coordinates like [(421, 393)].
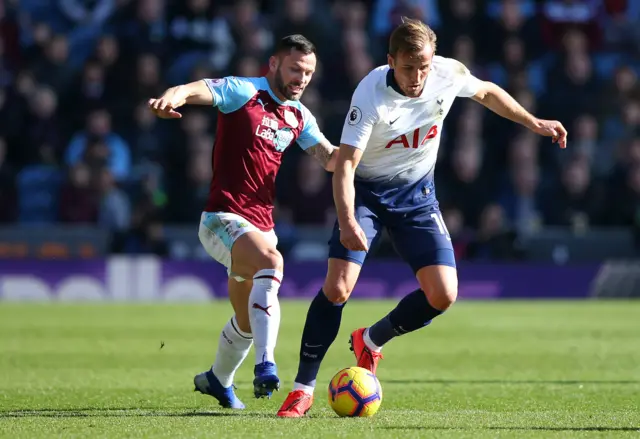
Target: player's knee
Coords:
[(442, 296), (440, 285), (337, 291), (270, 259)]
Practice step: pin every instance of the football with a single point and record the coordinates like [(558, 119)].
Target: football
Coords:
[(355, 392)]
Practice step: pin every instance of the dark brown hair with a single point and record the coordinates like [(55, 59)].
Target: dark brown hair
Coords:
[(295, 42), (411, 36)]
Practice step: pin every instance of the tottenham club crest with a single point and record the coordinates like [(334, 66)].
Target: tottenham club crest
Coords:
[(283, 139), (354, 116)]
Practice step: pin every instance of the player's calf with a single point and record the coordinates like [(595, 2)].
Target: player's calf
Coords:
[(320, 330), (323, 321), (416, 310), (412, 313), (253, 255), (264, 315)]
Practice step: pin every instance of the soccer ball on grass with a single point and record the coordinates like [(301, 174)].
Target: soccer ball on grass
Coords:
[(355, 392)]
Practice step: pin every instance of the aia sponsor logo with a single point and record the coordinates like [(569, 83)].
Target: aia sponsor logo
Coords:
[(412, 140)]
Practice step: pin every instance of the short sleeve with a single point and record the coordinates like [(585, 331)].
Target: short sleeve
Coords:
[(311, 134), (361, 118), (470, 84), (232, 92)]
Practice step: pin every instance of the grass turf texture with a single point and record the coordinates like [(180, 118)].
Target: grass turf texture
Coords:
[(487, 369)]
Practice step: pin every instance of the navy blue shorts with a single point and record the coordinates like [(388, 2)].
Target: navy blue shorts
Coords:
[(412, 218)]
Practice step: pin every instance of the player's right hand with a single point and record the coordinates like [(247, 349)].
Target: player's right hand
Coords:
[(165, 106), (353, 237)]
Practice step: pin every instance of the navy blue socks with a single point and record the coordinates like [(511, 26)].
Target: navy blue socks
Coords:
[(412, 313), (320, 330)]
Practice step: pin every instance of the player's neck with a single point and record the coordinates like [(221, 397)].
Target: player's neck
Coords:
[(272, 85)]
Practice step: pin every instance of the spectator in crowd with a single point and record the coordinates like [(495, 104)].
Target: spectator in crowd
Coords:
[(574, 84), (142, 29), (8, 195), (53, 68), (114, 212), (308, 199), (117, 153), (578, 200), (625, 206), (494, 240), (511, 22), (466, 186), (560, 15), (78, 197), (44, 126), (461, 235), (521, 199)]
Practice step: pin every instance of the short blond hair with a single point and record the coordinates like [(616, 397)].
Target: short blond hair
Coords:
[(411, 36)]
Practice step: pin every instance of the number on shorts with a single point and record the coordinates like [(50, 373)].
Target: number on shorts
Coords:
[(442, 227)]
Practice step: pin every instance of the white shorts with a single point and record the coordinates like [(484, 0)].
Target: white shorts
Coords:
[(219, 231)]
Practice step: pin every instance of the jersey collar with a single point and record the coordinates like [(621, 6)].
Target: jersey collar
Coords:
[(391, 82), (273, 95)]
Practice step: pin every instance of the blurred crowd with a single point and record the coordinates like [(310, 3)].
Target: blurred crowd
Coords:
[(77, 144)]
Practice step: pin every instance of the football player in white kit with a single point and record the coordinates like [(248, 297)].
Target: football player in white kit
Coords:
[(384, 179)]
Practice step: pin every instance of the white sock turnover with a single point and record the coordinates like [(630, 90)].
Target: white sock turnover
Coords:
[(303, 387), (233, 347), (370, 344)]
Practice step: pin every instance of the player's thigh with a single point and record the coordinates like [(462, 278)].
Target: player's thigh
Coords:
[(344, 264), (238, 245), (239, 297), (423, 241)]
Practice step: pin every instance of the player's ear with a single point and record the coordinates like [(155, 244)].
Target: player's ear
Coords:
[(273, 63), (390, 60)]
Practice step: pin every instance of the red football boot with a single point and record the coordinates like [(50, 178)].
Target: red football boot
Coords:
[(365, 357), (297, 404)]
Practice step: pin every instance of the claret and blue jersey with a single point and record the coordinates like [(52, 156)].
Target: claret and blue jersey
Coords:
[(254, 128)]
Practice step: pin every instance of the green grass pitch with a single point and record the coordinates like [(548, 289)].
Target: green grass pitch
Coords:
[(483, 370)]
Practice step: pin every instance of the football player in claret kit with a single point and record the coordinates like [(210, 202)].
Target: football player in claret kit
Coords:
[(258, 119), (384, 179)]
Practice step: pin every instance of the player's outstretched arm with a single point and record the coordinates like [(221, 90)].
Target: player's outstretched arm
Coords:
[(194, 93), (351, 234), (500, 102), (325, 153)]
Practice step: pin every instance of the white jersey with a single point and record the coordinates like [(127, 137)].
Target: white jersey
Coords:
[(400, 136)]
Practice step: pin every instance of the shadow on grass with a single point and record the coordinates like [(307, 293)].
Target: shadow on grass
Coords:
[(514, 428), (513, 382), (118, 412)]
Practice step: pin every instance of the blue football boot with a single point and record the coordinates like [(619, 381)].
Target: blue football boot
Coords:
[(208, 384), (266, 379)]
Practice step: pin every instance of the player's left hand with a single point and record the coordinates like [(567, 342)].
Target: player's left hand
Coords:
[(553, 129), (353, 237)]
